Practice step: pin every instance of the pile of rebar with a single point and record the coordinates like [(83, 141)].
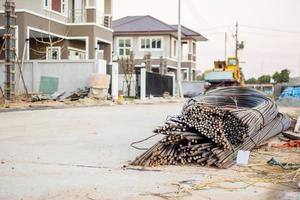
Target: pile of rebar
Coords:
[(212, 129)]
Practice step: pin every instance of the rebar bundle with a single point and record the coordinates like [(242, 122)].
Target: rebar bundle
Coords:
[(211, 129)]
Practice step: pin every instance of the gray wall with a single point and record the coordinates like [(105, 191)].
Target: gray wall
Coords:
[(71, 74)]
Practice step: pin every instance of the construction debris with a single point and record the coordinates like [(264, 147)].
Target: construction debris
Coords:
[(291, 135), (288, 166), (78, 94), (213, 128), (99, 85), (290, 144), (297, 127)]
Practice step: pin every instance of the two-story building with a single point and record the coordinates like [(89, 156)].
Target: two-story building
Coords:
[(146, 35), (63, 29)]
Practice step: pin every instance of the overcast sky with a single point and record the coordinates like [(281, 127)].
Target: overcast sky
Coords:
[(270, 29)]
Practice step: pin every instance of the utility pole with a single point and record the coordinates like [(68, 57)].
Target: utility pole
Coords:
[(10, 49), (225, 46), (179, 54), (236, 39)]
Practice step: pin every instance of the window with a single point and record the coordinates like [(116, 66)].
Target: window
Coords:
[(53, 53), (175, 48), (124, 46), (64, 6), (46, 4), (151, 43), (232, 62), (60, 6), (185, 50), (194, 48)]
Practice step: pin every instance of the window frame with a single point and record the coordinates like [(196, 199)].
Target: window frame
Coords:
[(194, 48), (151, 39), (63, 7), (124, 47), (174, 47), (53, 48)]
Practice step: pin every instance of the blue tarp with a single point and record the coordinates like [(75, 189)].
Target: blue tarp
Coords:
[(291, 92)]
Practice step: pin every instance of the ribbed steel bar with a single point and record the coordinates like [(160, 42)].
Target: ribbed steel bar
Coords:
[(211, 129)]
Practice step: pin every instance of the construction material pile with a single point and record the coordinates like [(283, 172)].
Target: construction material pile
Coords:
[(212, 129)]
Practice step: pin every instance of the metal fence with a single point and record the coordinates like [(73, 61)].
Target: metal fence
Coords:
[(157, 84)]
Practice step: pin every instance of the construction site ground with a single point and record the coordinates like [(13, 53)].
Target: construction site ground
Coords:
[(83, 153)]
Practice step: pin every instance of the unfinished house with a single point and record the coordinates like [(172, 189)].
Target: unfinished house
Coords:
[(154, 44), (63, 29)]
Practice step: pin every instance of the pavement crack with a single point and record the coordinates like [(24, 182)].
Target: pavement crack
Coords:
[(71, 165)]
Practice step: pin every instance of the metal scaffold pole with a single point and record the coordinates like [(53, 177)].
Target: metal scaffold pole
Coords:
[(10, 49)]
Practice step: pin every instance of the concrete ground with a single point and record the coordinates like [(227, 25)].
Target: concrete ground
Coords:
[(79, 153)]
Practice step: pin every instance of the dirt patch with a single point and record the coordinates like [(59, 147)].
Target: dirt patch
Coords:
[(258, 175)]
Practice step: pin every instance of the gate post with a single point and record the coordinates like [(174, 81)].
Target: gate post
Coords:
[(143, 84), (115, 80)]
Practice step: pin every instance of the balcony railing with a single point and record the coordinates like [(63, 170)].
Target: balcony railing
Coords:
[(104, 19), (77, 16), (80, 16)]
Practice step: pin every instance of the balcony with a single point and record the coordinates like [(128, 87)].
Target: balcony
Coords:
[(84, 16), (104, 19), (77, 16)]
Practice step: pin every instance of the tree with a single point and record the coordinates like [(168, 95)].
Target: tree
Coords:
[(127, 65), (251, 81), (282, 77), (45, 46), (264, 79)]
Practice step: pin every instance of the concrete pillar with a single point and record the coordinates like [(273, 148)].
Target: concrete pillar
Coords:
[(108, 7), (36, 76), (91, 15), (101, 66), (115, 80), (174, 84), (108, 53), (143, 84), (91, 47)]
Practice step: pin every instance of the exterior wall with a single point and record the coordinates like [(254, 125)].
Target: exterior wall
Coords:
[(139, 53), (90, 32), (37, 6), (33, 70), (65, 44), (190, 55), (167, 53)]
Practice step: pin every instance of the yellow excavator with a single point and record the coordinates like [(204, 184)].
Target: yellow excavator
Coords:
[(225, 73)]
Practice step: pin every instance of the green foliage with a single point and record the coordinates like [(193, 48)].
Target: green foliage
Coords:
[(282, 77), (200, 77), (264, 79), (251, 81)]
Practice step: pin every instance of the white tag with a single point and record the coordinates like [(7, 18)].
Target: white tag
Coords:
[(243, 157), (297, 127)]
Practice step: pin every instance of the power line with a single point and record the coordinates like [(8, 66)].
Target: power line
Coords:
[(270, 29), (214, 28), (286, 36)]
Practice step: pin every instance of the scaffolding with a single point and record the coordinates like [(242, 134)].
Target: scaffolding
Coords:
[(10, 49)]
